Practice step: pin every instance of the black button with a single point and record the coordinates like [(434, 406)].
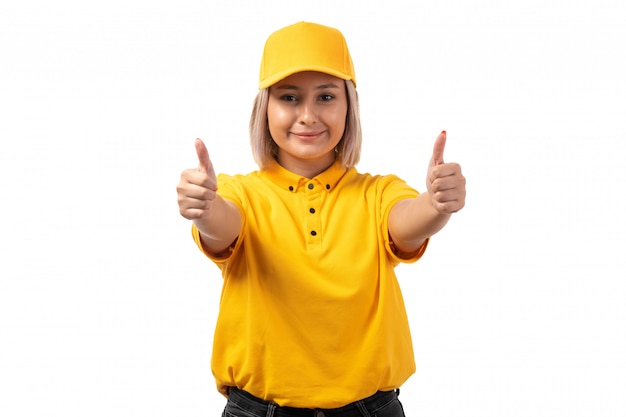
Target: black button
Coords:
[(310, 186), (313, 233), (312, 210), (291, 188), (328, 186)]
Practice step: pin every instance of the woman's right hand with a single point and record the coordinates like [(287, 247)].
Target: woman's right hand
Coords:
[(197, 187)]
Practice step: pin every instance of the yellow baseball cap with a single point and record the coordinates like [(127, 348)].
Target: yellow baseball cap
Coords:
[(305, 46)]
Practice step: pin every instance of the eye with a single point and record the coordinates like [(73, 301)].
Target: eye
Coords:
[(288, 97), (326, 97)]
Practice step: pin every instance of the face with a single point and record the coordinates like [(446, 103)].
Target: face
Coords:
[(306, 115)]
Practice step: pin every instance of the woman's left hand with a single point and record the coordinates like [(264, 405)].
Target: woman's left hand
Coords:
[(444, 181)]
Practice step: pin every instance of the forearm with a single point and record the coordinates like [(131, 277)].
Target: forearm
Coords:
[(412, 221), (219, 226)]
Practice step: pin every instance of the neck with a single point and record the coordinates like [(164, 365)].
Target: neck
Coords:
[(305, 168)]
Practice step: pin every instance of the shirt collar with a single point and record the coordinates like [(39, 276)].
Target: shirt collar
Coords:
[(289, 181)]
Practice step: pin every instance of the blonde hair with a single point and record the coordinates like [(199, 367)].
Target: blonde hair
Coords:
[(265, 150)]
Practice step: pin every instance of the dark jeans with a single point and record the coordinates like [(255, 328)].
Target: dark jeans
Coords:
[(382, 404)]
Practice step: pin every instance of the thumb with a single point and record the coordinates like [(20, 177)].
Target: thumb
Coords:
[(204, 163), (440, 144)]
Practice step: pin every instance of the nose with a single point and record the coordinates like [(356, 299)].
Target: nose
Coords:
[(308, 114)]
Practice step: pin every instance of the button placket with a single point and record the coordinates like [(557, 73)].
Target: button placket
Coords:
[(313, 221)]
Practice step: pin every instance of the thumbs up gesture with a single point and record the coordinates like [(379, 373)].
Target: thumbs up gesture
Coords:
[(445, 182), (197, 187)]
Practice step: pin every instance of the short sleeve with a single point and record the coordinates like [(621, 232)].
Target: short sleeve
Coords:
[(392, 189), (229, 189)]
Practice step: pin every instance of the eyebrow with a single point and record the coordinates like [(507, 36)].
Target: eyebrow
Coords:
[(295, 87)]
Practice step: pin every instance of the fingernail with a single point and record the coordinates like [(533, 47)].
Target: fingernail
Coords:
[(443, 132)]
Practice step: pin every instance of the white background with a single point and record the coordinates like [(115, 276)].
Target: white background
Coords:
[(107, 307)]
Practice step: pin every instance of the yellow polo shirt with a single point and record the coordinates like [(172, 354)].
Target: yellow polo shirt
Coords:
[(311, 314)]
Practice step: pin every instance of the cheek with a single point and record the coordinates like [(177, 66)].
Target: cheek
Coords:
[(276, 117), (338, 120)]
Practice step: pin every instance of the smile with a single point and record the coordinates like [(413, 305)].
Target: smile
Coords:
[(307, 135)]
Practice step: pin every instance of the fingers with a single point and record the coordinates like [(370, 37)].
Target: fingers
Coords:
[(444, 176), (445, 182), (197, 187), (204, 162), (203, 156), (199, 178), (196, 184), (447, 188), (443, 170), (449, 206), (438, 148), (196, 193)]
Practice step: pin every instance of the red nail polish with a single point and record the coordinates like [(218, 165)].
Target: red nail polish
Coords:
[(443, 131)]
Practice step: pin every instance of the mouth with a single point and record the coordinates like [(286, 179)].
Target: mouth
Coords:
[(307, 135)]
